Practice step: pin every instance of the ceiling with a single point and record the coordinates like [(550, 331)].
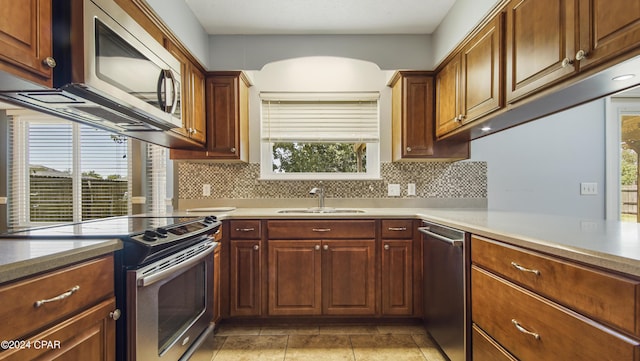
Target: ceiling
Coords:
[(304, 17)]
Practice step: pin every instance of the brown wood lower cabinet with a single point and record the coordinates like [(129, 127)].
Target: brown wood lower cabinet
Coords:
[(74, 318), (531, 327), (246, 283), (314, 277)]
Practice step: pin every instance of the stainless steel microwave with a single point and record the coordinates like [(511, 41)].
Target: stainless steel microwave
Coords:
[(108, 71)]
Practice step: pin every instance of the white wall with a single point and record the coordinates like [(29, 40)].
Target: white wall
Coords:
[(252, 52), (538, 166), (320, 74), (178, 16)]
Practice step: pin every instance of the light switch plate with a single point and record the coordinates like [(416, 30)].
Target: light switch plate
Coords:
[(411, 189), (393, 190), (588, 189)]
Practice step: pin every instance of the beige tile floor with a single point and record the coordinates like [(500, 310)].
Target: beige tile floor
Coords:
[(319, 343)]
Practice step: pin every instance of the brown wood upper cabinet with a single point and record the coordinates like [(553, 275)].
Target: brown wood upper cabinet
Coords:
[(607, 28), (192, 100), (540, 44), (413, 135), (549, 40), (469, 86), (227, 114), (25, 40)]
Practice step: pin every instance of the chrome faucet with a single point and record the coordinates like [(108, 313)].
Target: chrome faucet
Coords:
[(320, 192)]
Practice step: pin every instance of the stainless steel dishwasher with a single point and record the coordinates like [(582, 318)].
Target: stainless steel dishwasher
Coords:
[(445, 293)]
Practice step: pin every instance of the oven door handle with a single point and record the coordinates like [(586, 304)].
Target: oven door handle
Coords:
[(151, 279)]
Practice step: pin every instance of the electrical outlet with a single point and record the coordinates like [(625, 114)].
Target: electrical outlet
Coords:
[(411, 189), (393, 190), (206, 190), (588, 188)]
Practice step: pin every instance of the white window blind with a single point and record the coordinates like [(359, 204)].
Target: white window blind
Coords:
[(63, 172), (156, 179), (320, 117)]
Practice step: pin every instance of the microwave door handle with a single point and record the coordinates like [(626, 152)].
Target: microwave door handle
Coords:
[(174, 86), (162, 96)]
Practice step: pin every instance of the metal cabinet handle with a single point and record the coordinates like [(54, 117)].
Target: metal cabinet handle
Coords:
[(581, 54), (566, 62), (524, 269), (67, 294), (256, 247), (524, 330), (233, 150), (245, 229), (115, 314), (386, 247), (408, 149), (397, 229), (325, 247), (50, 62), (321, 229), (317, 247)]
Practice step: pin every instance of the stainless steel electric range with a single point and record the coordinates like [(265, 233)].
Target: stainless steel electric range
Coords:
[(164, 284)]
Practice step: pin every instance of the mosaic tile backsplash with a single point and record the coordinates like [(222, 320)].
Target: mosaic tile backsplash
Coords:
[(467, 179)]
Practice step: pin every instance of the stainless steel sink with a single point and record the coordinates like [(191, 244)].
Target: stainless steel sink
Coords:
[(317, 210)]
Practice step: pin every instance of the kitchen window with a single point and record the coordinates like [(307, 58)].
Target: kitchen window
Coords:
[(320, 136), (623, 147), (62, 171), (65, 172)]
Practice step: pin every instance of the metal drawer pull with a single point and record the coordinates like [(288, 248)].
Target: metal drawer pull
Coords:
[(397, 229), (386, 247), (524, 330), (317, 247), (321, 229), (245, 229), (67, 294), (256, 247), (524, 269)]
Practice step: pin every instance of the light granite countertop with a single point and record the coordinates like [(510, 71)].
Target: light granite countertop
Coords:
[(20, 258), (606, 244)]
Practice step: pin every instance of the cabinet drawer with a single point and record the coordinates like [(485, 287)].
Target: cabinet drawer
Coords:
[(91, 282), (607, 297), (321, 229), (245, 229), (484, 348), (507, 312), (397, 229), (89, 335)]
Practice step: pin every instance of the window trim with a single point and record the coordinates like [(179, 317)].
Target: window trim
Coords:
[(614, 109)]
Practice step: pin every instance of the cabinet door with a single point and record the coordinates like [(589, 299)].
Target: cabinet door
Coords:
[(348, 277), (448, 97), (245, 278), (607, 28), (224, 136), (25, 39), (198, 118), (89, 335), (294, 278), (482, 72), (397, 277), (417, 111), (540, 35)]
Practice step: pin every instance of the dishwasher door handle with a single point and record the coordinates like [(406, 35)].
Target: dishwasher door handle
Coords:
[(452, 242)]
